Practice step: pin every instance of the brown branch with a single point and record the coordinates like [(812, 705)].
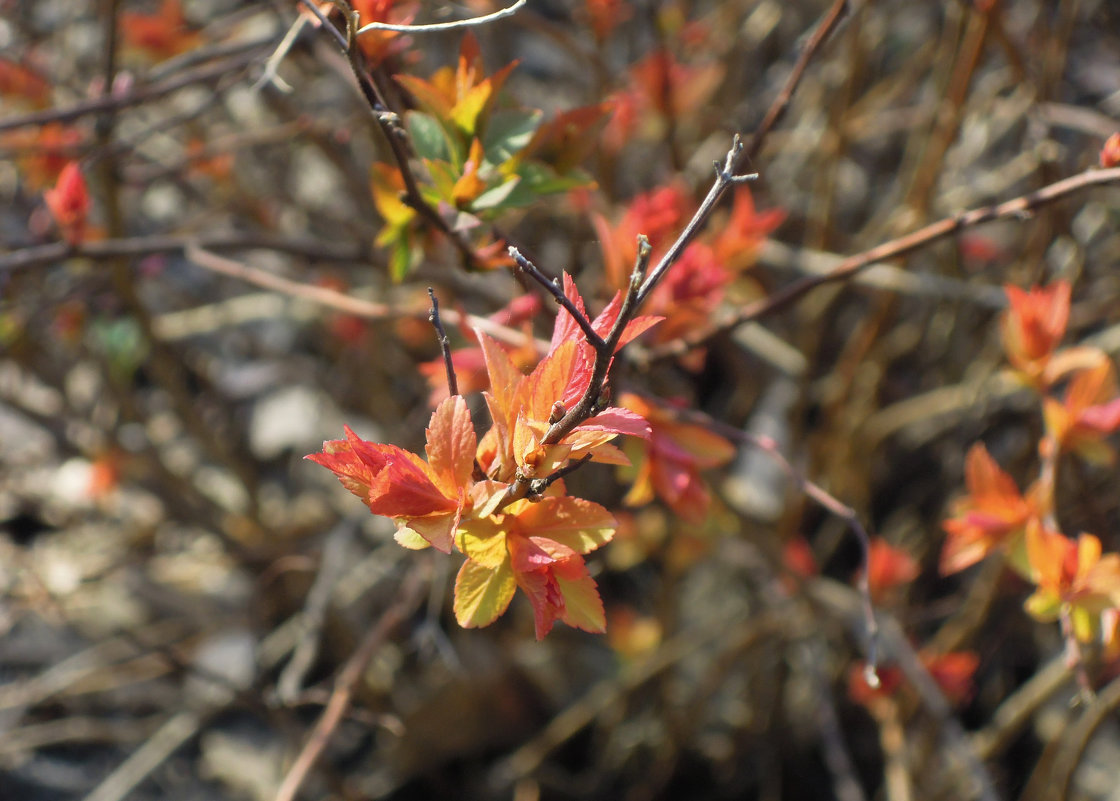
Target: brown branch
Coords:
[(826, 501), (1076, 740), (444, 346), (408, 601), (141, 95), (552, 287), (780, 104), (108, 249), (839, 599), (340, 301), (1018, 208), (389, 123)]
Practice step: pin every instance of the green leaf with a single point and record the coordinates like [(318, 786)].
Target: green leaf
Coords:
[(400, 258), (538, 180), (428, 137), (495, 197), (508, 132), (482, 594)]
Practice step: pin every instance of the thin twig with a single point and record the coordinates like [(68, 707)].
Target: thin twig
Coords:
[(599, 697), (1076, 740), (444, 346), (389, 123), (778, 108), (534, 272), (725, 177), (408, 600), (108, 249), (433, 27), (813, 657), (829, 503), (271, 67), (585, 407), (538, 487), (840, 599), (313, 616), (1017, 208), (340, 301), (141, 95), (1015, 711)]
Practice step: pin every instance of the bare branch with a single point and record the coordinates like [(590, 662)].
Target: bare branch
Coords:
[(829, 503), (445, 348), (210, 72), (725, 177), (1019, 208), (408, 600), (433, 27), (553, 289), (339, 300), (778, 108)]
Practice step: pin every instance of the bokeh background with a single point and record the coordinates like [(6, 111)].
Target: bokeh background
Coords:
[(180, 590)]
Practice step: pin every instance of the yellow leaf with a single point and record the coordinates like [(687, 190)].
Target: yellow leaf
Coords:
[(583, 608), (483, 541), (482, 594), (407, 538)]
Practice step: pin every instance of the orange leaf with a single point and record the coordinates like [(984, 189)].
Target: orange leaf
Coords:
[(16, 80), (1110, 152), (396, 483), (674, 457), (163, 34), (451, 446), (1034, 326), (737, 243), (888, 567), (991, 517)]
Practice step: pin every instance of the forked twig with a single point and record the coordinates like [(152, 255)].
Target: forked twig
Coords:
[(553, 289)]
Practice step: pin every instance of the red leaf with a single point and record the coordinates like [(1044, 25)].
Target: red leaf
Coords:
[(69, 203)]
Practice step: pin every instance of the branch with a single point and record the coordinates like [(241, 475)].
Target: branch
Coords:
[(604, 356), (829, 503), (389, 123), (108, 249), (725, 177), (340, 301), (778, 108), (553, 289), (538, 487), (444, 347), (1019, 208), (115, 102), (408, 600), (433, 27)]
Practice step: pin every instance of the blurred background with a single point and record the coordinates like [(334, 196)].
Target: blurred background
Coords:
[(180, 591)]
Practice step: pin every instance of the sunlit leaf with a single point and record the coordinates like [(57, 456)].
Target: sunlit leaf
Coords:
[(482, 594)]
